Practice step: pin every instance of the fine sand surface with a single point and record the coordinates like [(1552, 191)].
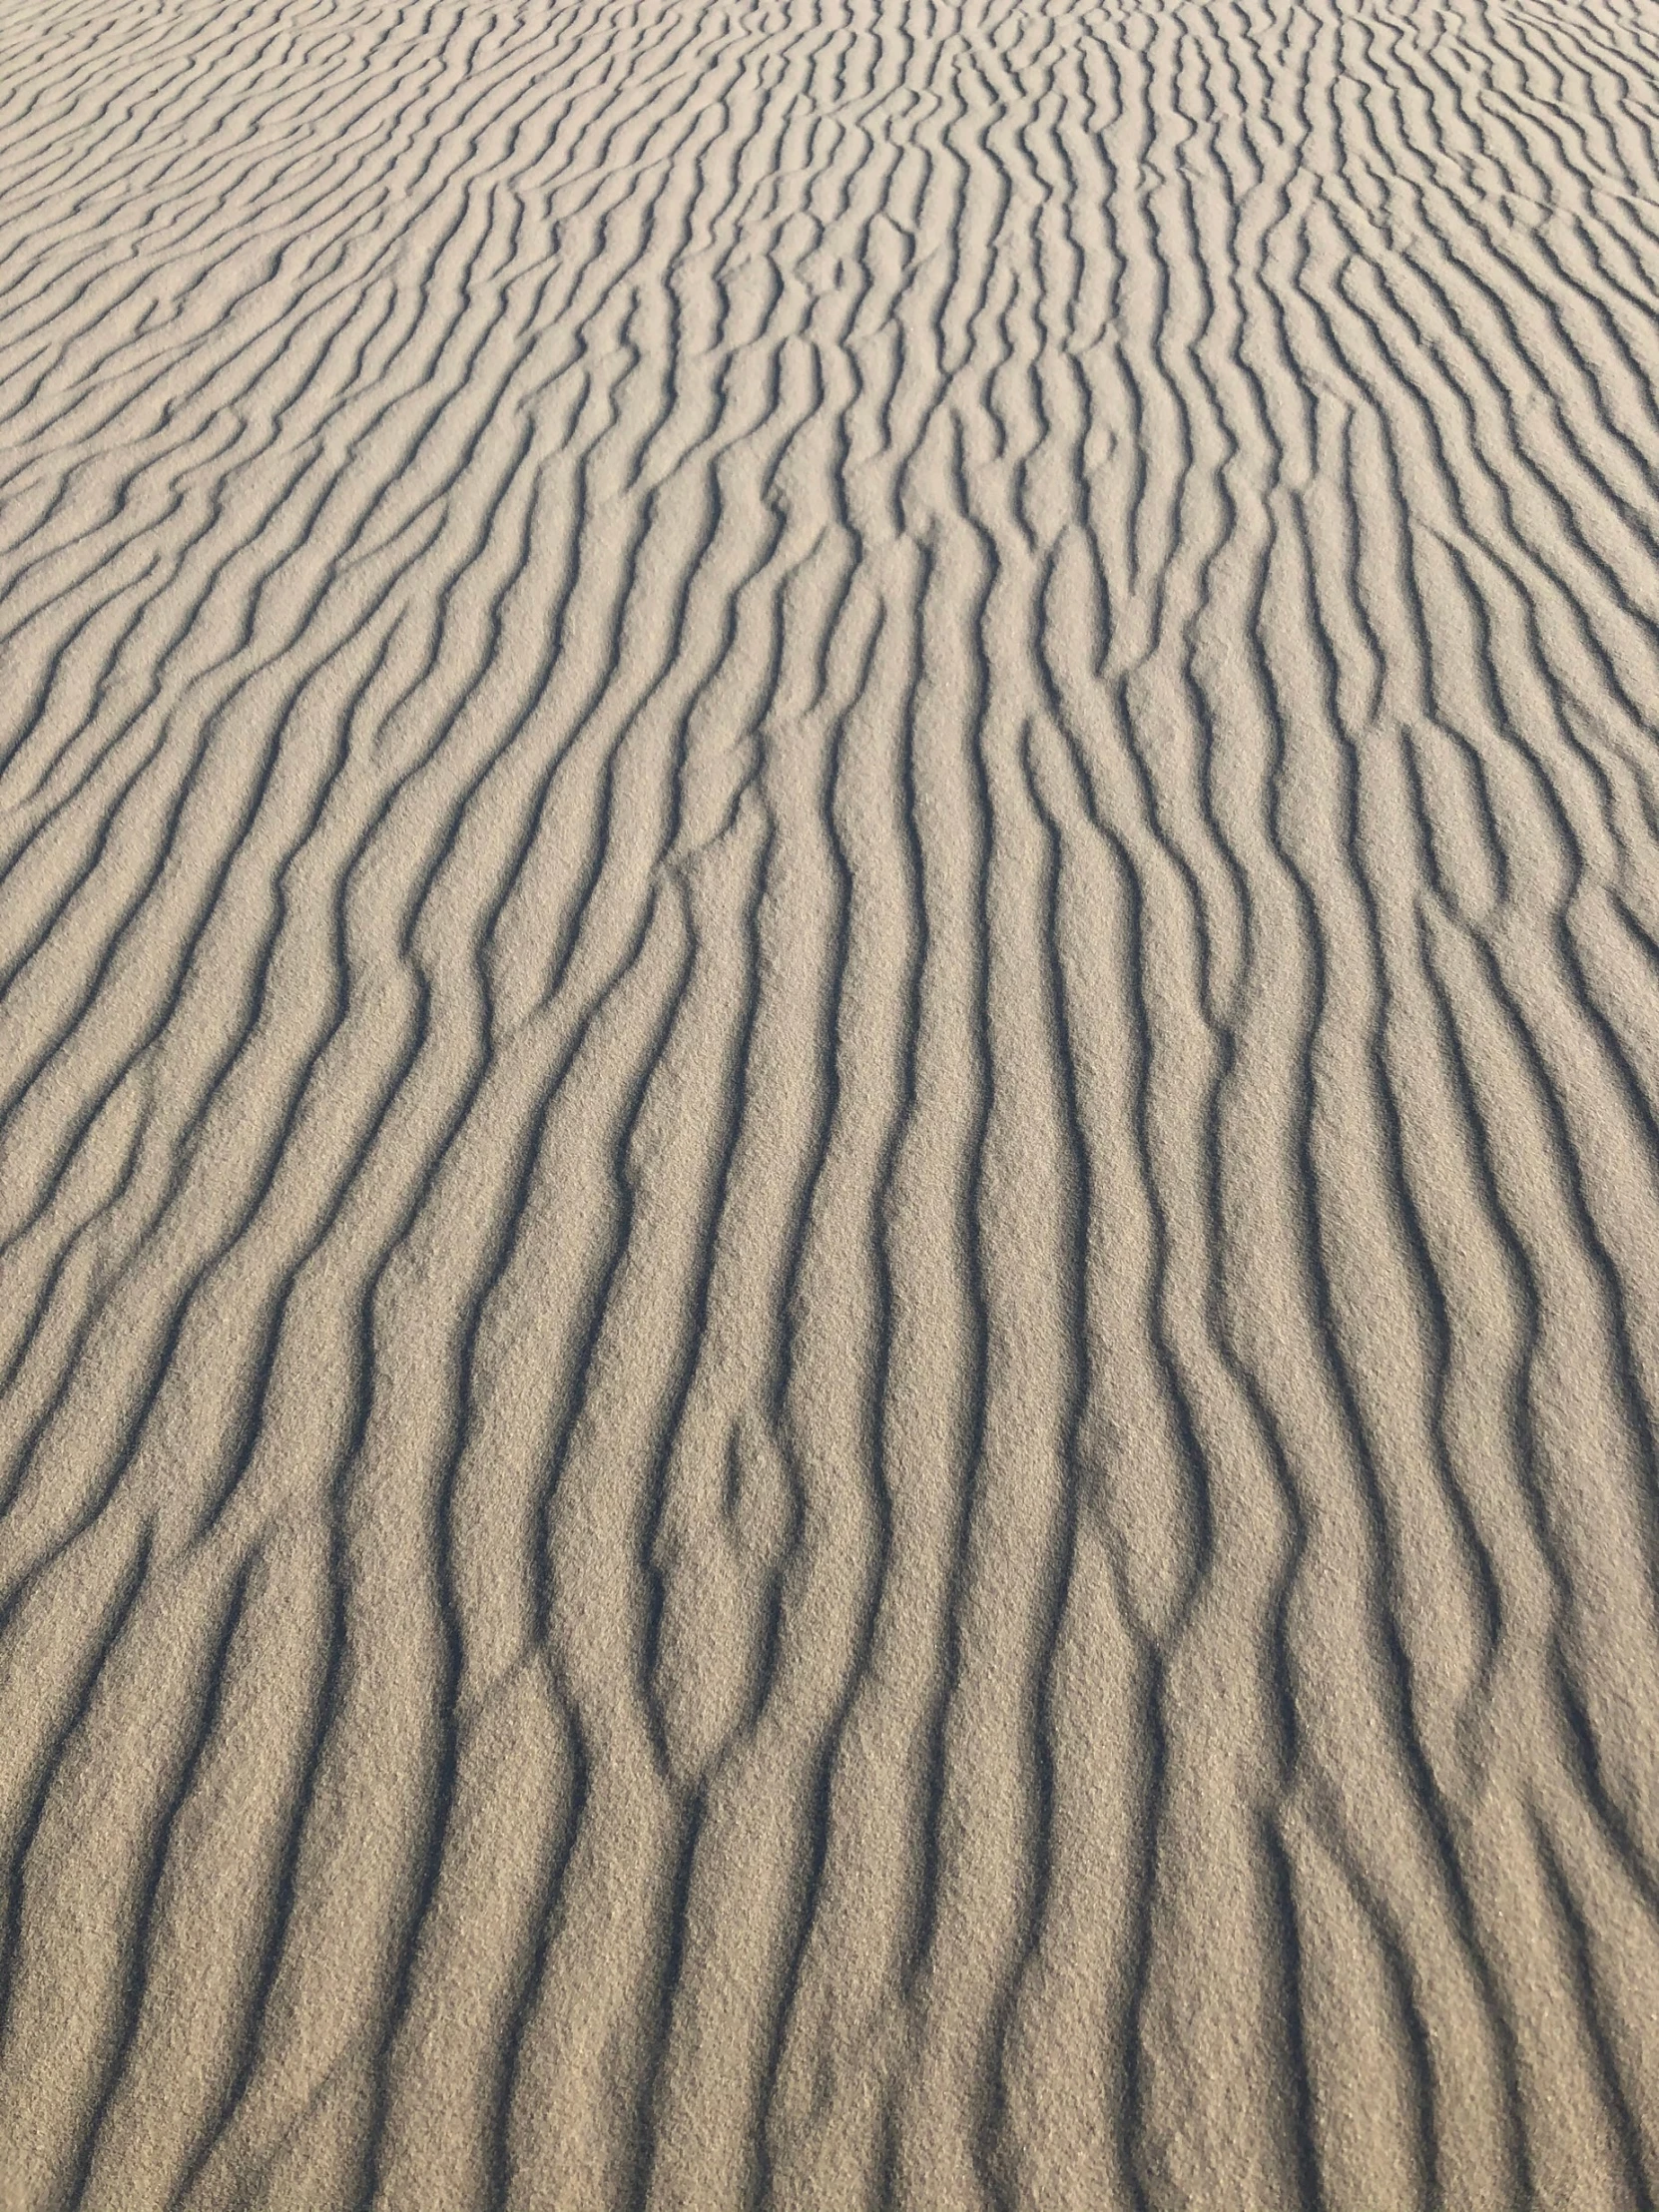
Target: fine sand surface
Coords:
[(829, 1105)]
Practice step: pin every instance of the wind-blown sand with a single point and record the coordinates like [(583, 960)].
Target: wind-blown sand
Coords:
[(829, 1067)]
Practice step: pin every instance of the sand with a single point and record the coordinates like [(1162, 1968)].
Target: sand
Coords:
[(829, 1105)]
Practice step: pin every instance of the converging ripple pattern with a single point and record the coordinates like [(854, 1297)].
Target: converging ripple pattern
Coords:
[(830, 1104)]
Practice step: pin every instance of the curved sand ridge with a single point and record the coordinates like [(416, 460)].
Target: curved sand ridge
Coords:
[(830, 1194)]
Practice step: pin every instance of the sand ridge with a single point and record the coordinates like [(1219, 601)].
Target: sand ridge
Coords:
[(828, 1051)]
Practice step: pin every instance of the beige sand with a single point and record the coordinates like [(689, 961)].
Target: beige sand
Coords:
[(829, 1067)]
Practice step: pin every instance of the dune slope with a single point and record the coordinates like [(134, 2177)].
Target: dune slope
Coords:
[(828, 1066)]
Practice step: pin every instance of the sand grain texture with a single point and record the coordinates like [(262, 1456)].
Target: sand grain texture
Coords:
[(828, 1066)]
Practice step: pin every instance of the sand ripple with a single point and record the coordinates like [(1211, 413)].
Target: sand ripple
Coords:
[(828, 1066)]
